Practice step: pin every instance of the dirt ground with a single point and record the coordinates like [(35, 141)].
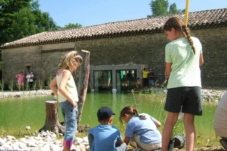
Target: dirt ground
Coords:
[(218, 148)]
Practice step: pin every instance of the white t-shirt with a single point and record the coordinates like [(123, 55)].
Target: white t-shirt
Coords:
[(31, 77), (28, 77), (185, 64), (70, 88)]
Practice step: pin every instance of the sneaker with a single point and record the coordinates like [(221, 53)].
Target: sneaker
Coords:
[(223, 143)]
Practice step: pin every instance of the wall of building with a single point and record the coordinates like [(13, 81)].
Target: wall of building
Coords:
[(15, 60), (139, 49)]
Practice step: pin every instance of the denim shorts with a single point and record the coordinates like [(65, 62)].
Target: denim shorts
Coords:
[(70, 119), (186, 98)]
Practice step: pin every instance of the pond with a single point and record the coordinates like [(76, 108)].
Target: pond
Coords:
[(17, 113)]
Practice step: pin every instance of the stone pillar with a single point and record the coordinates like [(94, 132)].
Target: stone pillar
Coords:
[(114, 88)]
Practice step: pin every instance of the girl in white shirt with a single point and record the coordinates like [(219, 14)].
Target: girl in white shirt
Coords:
[(64, 87)]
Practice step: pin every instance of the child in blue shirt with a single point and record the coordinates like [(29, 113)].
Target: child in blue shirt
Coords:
[(105, 137)]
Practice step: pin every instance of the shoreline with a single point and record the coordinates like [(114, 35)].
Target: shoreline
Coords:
[(208, 93)]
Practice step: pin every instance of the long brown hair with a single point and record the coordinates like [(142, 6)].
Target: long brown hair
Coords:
[(179, 26), (131, 111)]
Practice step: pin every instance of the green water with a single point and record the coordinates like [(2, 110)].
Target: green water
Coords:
[(16, 113)]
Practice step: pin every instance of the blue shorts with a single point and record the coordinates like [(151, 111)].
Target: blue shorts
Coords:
[(187, 98), (69, 114)]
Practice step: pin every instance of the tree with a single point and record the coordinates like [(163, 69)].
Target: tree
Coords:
[(22, 25), (159, 7), (43, 21), (173, 9), (71, 25), (11, 12)]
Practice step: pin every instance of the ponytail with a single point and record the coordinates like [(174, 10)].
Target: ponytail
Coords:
[(187, 33)]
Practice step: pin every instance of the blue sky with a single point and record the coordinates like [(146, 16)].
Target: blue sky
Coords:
[(94, 12)]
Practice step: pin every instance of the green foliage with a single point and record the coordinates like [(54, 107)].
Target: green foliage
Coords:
[(173, 9), (22, 18), (70, 25), (2, 85), (160, 8), (10, 13), (178, 128), (49, 80), (34, 86), (27, 86), (40, 84), (11, 85)]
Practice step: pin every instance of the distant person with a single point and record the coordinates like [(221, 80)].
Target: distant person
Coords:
[(124, 81), (183, 57), (220, 121), (20, 80), (129, 75), (151, 77), (31, 80), (138, 83), (105, 136), (64, 87), (27, 77), (142, 128), (145, 77)]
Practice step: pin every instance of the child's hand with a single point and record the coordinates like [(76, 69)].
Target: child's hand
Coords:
[(74, 104)]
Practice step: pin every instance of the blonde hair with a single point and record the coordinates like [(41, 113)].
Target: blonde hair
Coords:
[(178, 25), (69, 59)]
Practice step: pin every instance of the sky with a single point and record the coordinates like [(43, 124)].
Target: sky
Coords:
[(95, 12)]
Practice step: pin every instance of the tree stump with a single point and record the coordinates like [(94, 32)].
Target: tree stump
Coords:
[(52, 121)]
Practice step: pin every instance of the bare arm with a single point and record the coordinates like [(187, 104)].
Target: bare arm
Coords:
[(168, 70), (65, 77), (158, 124), (126, 140), (53, 86), (201, 61)]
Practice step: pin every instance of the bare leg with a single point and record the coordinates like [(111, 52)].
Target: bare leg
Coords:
[(66, 149), (190, 131), (168, 128)]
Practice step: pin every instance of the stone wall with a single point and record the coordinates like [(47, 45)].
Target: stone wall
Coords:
[(15, 60), (139, 49)]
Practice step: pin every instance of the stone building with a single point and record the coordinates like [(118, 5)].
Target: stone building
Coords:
[(118, 48)]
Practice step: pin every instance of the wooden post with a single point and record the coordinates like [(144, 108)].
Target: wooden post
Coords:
[(52, 121), (83, 82)]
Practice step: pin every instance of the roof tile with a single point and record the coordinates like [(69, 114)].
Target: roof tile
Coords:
[(197, 20)]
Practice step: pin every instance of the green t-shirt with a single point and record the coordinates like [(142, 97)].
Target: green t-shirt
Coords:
[(185, 64)]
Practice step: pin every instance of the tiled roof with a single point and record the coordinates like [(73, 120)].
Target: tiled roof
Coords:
[(197, 20)]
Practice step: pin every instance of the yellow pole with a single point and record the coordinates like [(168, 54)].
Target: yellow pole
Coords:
[(186, 13)]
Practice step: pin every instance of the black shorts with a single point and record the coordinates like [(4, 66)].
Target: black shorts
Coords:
[(189, 98)]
